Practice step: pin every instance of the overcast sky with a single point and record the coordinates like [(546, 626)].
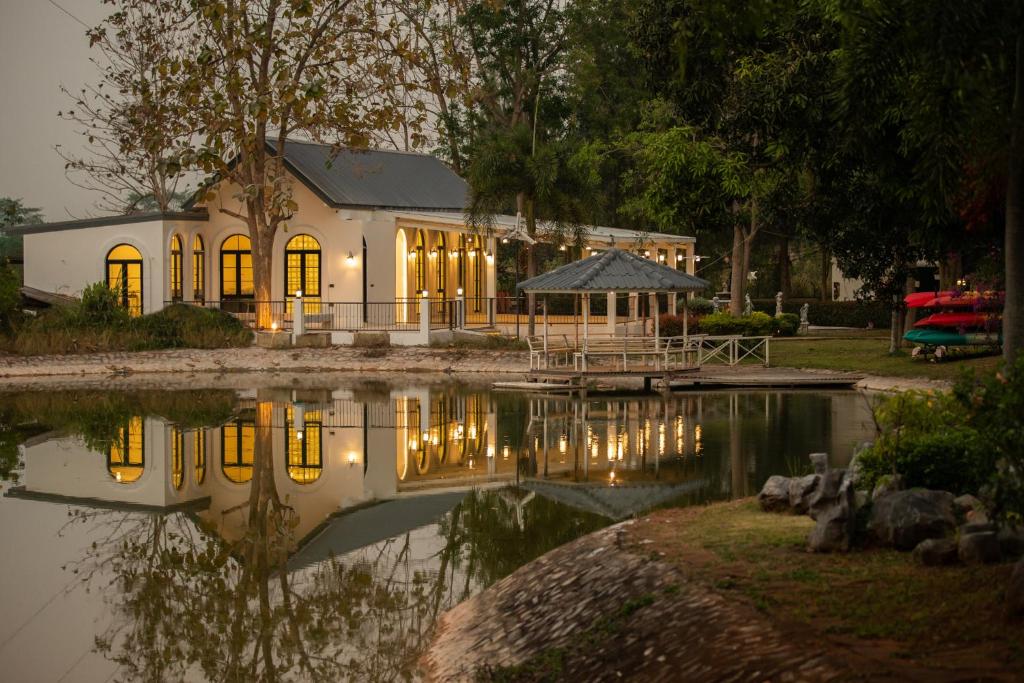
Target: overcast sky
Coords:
[(42, 48)]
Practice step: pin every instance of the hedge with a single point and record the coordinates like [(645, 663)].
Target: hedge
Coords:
[(833, 313)]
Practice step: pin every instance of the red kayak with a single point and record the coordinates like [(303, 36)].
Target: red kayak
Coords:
[(974, 300), (921, 299), (958, 320)]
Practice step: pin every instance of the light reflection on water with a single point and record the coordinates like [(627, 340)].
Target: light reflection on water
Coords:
[(240, 535)]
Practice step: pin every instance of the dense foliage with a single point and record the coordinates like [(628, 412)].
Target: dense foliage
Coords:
[(970, 440), (97, 323)]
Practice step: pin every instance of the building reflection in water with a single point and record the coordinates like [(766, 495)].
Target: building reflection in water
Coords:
[(252, 498)]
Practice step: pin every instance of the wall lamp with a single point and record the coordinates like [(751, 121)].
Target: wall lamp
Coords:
[(350, 259)]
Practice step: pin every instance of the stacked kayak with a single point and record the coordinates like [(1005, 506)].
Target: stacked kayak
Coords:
[(961, 319)]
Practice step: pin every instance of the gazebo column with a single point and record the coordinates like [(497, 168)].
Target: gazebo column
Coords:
[(586, 328), (545, 334), (611, 313), (634, 306)]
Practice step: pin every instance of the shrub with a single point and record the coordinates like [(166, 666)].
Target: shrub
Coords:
[(834, 313), (672, 325), (721, 323), (10, 298), (99, 306), (953, 459), (758, 324), (696, 305), (787, 324)]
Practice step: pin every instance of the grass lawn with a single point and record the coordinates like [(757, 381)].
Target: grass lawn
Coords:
[(869, 354), (877, 602)]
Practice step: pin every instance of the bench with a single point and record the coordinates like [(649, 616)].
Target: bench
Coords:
[(558, 348)]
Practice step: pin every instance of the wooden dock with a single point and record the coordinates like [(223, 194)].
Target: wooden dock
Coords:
[(763, 378)]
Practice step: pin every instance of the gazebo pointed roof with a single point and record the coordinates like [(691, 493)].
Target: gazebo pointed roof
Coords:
[(613, 270)]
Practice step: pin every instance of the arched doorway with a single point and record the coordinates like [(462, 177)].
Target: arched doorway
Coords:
[(236, 283), (442, 265), (126, 460), (302, 269), (177, 270), (198, 269), (124, 276)]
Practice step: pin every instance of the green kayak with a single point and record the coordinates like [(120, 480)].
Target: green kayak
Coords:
[(949, 338)]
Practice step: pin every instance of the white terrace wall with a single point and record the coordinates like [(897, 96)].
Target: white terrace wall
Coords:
[(66, 261)]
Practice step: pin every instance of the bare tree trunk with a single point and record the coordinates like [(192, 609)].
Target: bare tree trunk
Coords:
[(826, 274), (262, 269), (785, 267), (1013, 311), (737, 281), (531, 267), (909, 314), (894, 328)]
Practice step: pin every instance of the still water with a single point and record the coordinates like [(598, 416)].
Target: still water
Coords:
[(317, 534)]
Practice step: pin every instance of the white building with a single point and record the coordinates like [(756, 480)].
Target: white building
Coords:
[(373, 232)]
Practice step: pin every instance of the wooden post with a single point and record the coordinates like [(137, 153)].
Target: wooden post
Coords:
[(612, 299), (545, 331), (586, 332)]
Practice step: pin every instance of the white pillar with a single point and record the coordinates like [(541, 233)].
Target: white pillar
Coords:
[(545, 333), (657, 322), (298, 317), (461, 306), (425, 320), (586, 324), (611, 314)]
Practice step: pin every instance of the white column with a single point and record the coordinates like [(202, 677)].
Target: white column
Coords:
[(298, 317), (425, 319), (545, 333), (586, 325), (611, 314)]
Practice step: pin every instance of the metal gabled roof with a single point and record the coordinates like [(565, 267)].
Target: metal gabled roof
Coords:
[(379, 179), (614, 270)]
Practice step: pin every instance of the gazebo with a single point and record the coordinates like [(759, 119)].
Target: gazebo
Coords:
[(612, 272)]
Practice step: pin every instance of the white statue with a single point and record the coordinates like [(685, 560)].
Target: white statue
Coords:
[(803, 314), (748, 305), (778, 304), (716, 304)]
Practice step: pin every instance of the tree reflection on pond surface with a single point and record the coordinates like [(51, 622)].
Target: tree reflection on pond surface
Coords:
[(317, 535)]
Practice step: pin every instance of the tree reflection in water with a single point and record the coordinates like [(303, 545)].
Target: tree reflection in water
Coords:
[(187, 603)]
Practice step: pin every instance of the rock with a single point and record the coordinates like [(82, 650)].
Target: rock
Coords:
[(966, 503), (371, 340), (312, 340), (977, 517), (820, 462), (774, 495), (855, 470), (936, 552), (826, 493), (1015, 591), (1011, 541), (977, 528), (836, 524), (903, 519), (979, 548), (800, 491), (887, 483), (860, 498)]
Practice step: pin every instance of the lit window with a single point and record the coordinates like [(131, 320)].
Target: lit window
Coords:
[(124, 276), (238, 447), (126, 459), (198, 269), (177, 287), (177, 457), (305, 450), (236, 281)]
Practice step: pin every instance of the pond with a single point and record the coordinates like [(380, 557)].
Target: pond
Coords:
[(311, 533)]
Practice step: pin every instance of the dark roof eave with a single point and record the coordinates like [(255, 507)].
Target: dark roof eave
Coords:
[(109, 220), (617, 290)]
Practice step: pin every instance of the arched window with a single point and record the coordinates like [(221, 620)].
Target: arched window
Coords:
[(442, 264), (421, 263), (177, 287), (126, 459), (199, 455), (302, 267), (124, 276), (238, 447), (198, 269), (236, 268), (304, 448), (177, 457)]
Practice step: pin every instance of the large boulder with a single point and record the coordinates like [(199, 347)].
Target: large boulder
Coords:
[(965, 504), (1015, 592), (836, 523), (819, 461), (774, 495), (903, 519), (979, 548), (936, 552), (887, 483), (801, 489), (855, 470)]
